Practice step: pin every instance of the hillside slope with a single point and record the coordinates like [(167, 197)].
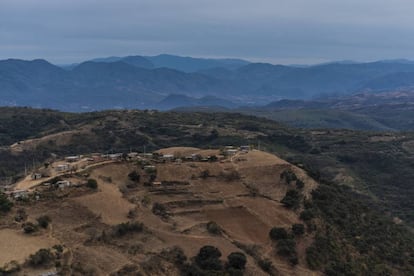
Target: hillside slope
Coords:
[(360, 211)]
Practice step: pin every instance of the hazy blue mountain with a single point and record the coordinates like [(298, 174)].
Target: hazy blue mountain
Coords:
[(136, 82), (176, 100), (190, 64)]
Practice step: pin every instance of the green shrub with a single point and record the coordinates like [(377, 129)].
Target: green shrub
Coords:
[(266, 265), (213, 228), (236, 260), (43, 257), (286, 247), (307, 215), (288, 176), (5, 203), (291, 199), (300, 184), (43, 221), (298, 229), (29, 227), (208, 258), (92, 184), (278, 233), (159, 210), (134, 176), (128, 227)]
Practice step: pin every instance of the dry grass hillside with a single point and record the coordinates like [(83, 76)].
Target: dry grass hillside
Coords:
[(240, 195)]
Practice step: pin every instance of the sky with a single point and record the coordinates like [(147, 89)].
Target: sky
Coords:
[(275, 31)]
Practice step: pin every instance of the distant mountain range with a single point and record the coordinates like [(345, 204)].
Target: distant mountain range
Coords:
[(167, 81)]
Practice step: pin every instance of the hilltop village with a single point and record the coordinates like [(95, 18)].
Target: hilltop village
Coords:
[(74, 214)]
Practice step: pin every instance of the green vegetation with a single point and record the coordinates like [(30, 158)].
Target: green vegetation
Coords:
[(355, 231), (288, 176), (291, 199), (43, 221), (213, 228), (208, 258), (160, 210), (42, 258), (92, 184), (128, 227), (134, 176), (278, 233), (236, 260), (29, 227), (298, 229), (5, 203), (287, 248)]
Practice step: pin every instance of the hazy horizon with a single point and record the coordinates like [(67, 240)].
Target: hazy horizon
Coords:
[(278, 32)]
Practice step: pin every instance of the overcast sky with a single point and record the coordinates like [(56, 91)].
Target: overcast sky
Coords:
[(276, 31)]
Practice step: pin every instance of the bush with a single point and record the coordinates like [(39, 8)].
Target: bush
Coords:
[(43, 257), (278, 233), (29, 227), (134, 176), (266, 265), (208, 258), (213, 228), (298, 229), (159, 210), (128, 227), (287, 248), (20, 215), (43, 221), (288, 176), (175, 255), (10, 268), (5, 203), (229, 176), (291, 199), (300, 184), (92, 183), (307, 215), (236, 260)]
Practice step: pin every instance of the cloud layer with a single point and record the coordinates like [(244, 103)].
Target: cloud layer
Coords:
[(278, 31)]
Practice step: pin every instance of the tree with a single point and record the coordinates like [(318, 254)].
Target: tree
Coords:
[(92, 183), (300, 184), (43, 257), (307, 215), (208, 258), (213, 228), (5, 203), (237, 260), (298, 229), (134, 176), (291, 199), (278, 233), (43, 221)]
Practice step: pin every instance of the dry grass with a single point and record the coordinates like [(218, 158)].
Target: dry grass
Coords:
[(18, 246)]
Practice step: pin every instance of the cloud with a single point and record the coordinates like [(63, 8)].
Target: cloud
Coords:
[(67, 31)]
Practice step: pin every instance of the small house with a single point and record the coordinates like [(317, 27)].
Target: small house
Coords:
[(62, 167), (18, 194), (231, 151), (168, 157), (245, 148), (36, 176), (62, 184), (73, 158)]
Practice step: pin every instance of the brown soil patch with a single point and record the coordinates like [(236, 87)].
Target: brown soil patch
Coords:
[(240, 224), (17, 246), (108, 201)]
